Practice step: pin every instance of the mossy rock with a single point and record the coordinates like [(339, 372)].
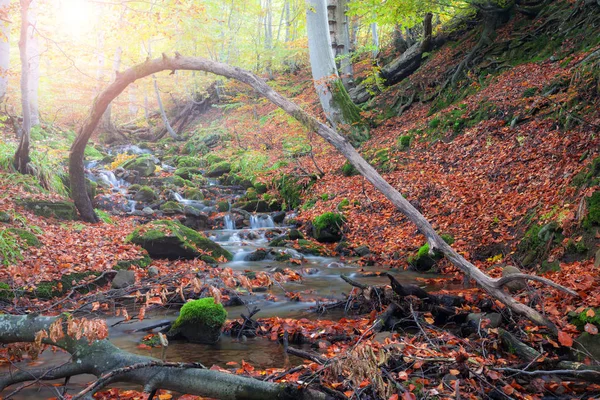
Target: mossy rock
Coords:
[(260, 187), (211, 140), (213, 159), (127, 264), (327, 227), (134, 188), (423, 261), (593, 215), (257, 255), (49, 289), (236, 180), (27, 237), (223, 206), (219, 169), (187, 172), (5, 217), (590, 176), (260, 206), (193, 194), (180, 182), (172, 240), (143, 164), (251, 194), (145, 195), (190, 162), (91, 187), (63, 210), (172, 207), (199, 321), (6, 293), (311, 248)]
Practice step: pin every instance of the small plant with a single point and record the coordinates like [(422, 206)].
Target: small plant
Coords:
[(404, 142), (348, 169)]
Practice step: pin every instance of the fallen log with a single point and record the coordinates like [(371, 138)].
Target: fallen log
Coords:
[(101, 358)]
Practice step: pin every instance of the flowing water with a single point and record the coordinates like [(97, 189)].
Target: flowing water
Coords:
[(320, 283)]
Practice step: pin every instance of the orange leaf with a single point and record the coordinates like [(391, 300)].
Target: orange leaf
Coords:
[(590, 313), (508, 389), (565, 339), (591, 329)]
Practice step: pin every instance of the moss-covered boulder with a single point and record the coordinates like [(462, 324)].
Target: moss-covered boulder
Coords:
[(327, 227), (141, 262), (143, 164), (193, 194), (5, 217), (311, 248), (219, 169), (172, 207), (190, 162), (260, 187), (63, 210), (172, 240), (213, 159), (187, 172), (6, 293), (48, 289), (145, 195), (593, 216), (199, 321), (27, 237)]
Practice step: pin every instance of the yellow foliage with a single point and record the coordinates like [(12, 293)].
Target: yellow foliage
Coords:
[(121, 159)]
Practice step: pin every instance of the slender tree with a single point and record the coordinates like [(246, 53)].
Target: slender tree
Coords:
[(22, 160), (33, 57)]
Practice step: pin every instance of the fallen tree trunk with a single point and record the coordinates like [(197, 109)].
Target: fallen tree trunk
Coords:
[(101, 358), (494, 287)]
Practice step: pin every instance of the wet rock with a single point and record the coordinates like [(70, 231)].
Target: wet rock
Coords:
[(187, 172), (153, 272), (362, 251), (145, 195), (218, 170), (5, 217), (172, 207), (588, 344), (123, 279), (295, 234), (278, 217), (147, 211), (63, 210), (172, 240), (495, 319), (309, 271), (258, 255), (513, 286)]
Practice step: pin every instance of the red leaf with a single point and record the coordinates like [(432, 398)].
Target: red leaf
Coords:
[(591, 329), (565, 339)]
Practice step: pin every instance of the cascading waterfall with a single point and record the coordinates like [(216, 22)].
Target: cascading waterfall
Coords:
[(261, 221), (229, 223)]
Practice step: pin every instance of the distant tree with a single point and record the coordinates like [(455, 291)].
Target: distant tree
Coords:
[(33, 59), (4, 47), (22, 160)]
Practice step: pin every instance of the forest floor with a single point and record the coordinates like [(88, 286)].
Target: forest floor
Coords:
[(492, 169)]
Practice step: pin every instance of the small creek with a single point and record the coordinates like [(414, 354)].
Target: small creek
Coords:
[(320, 280)]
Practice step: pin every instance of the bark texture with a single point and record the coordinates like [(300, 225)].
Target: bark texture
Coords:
[(22, 159), (492, 286)]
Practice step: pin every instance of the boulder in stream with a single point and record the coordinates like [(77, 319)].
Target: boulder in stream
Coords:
[(218, 170), (327, 227), (172, 240), (143, 164), (199, 321)]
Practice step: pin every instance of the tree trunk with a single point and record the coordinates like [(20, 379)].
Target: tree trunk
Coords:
[(335, 101), (21, 161), (4, 49), (340, 39), (33, 55), (493, 286), (133, 106), (107, 123), (100, 357), (375, 38), (163, 114)]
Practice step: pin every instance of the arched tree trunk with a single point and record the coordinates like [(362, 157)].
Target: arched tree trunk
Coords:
[(21, 161), (493, 286)]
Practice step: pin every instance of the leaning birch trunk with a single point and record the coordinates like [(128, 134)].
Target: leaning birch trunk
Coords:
[(492, 286), (33, 55), (101, 358), (21, 161), (163, 114), (375, 38), (4, 49)]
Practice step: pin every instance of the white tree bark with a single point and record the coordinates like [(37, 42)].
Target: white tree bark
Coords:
[(33, 56), (107, 117), (340, 38), (322, 62), (163, 114), (133, 106), (4, 48), (375, 37)]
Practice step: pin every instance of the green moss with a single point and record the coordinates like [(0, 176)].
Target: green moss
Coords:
[(6, 292), (27, 237), (223, 206), (180, 182), (92, 153), (580, 319), (104, 216), (63, 210), (404, 142), (145, 194), (134, 188), (446, 237), (49, 289), (530, 92), (172, 206), (251, 194), (291, 189), (213, 159), (343, 204), (593, 215), (260, 187), (190, 162), (193, 194), (203, 311), (590, 176), (349, 170), (308, 247), (329, 220), (359, 131), (187, 172), (172, 234), (219, 169), (140, 262)]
